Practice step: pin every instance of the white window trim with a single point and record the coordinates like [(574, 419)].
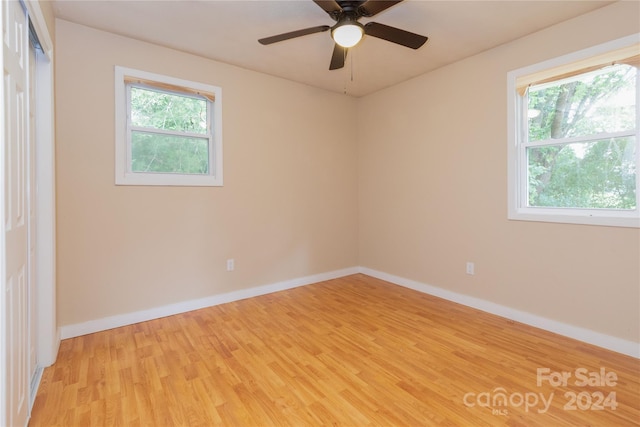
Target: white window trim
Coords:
[(516, 168), (123, 174)]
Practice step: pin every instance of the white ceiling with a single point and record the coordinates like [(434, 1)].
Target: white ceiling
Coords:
[(228, 31)]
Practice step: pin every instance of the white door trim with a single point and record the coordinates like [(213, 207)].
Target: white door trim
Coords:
[(47, 328), (3, 270), (40, 25)]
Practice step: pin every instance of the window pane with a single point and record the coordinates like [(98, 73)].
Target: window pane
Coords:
[(162, 110), (169, 154), (599, 174), (588, 104)]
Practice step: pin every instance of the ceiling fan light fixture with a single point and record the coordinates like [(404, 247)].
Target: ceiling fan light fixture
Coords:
[(347, 34), (347, 31)]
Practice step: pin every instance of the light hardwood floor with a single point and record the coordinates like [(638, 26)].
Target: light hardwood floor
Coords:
[(355, 351)]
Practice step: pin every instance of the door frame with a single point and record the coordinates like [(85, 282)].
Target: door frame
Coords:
[(47, 329)]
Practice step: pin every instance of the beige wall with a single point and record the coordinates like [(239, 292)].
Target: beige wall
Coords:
[(433, 192), (409, 181), (287, 210)]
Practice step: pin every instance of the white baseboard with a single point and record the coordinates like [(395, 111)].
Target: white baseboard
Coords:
[(618, 345), (97, 325), (609, 342)]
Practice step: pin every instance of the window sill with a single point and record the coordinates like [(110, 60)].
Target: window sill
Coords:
[(563, 216), (175, 180)]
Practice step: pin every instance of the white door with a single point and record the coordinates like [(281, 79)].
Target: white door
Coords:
[(16, 214)]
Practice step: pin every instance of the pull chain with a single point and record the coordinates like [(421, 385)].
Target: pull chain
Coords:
[(350, 77), (351, 65), (344, 59)]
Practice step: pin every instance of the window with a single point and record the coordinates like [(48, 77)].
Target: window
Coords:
[(573, 138), (168, 131)]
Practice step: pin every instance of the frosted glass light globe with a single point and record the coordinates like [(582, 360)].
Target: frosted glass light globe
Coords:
[(347, 35)]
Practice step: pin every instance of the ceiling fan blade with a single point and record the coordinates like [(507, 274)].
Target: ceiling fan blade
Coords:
[(293, 34), (373, 7), (329, 6), (338, 57), (394, 35)]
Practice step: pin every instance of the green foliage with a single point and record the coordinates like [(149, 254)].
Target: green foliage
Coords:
[(162, 110), (599, 173), (153, 150), (169, 154), (586, 175)]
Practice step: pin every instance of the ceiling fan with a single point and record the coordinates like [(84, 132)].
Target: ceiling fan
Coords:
[(347, 31)]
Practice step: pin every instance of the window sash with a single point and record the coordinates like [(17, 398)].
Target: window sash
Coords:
[(172, 89), (129, 86), (578, 139), (523, 178), (181, 139), (159, 131), (595, 187)]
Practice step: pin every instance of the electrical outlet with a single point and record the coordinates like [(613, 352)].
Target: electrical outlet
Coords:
[(231, 265), (471, 268)]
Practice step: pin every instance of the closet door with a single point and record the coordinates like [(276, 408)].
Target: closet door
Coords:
[(15, 283)]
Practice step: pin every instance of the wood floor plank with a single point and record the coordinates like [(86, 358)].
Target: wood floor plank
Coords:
[(355, 351)]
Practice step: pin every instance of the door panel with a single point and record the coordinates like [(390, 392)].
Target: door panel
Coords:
[(16, 282), (31, 191)]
